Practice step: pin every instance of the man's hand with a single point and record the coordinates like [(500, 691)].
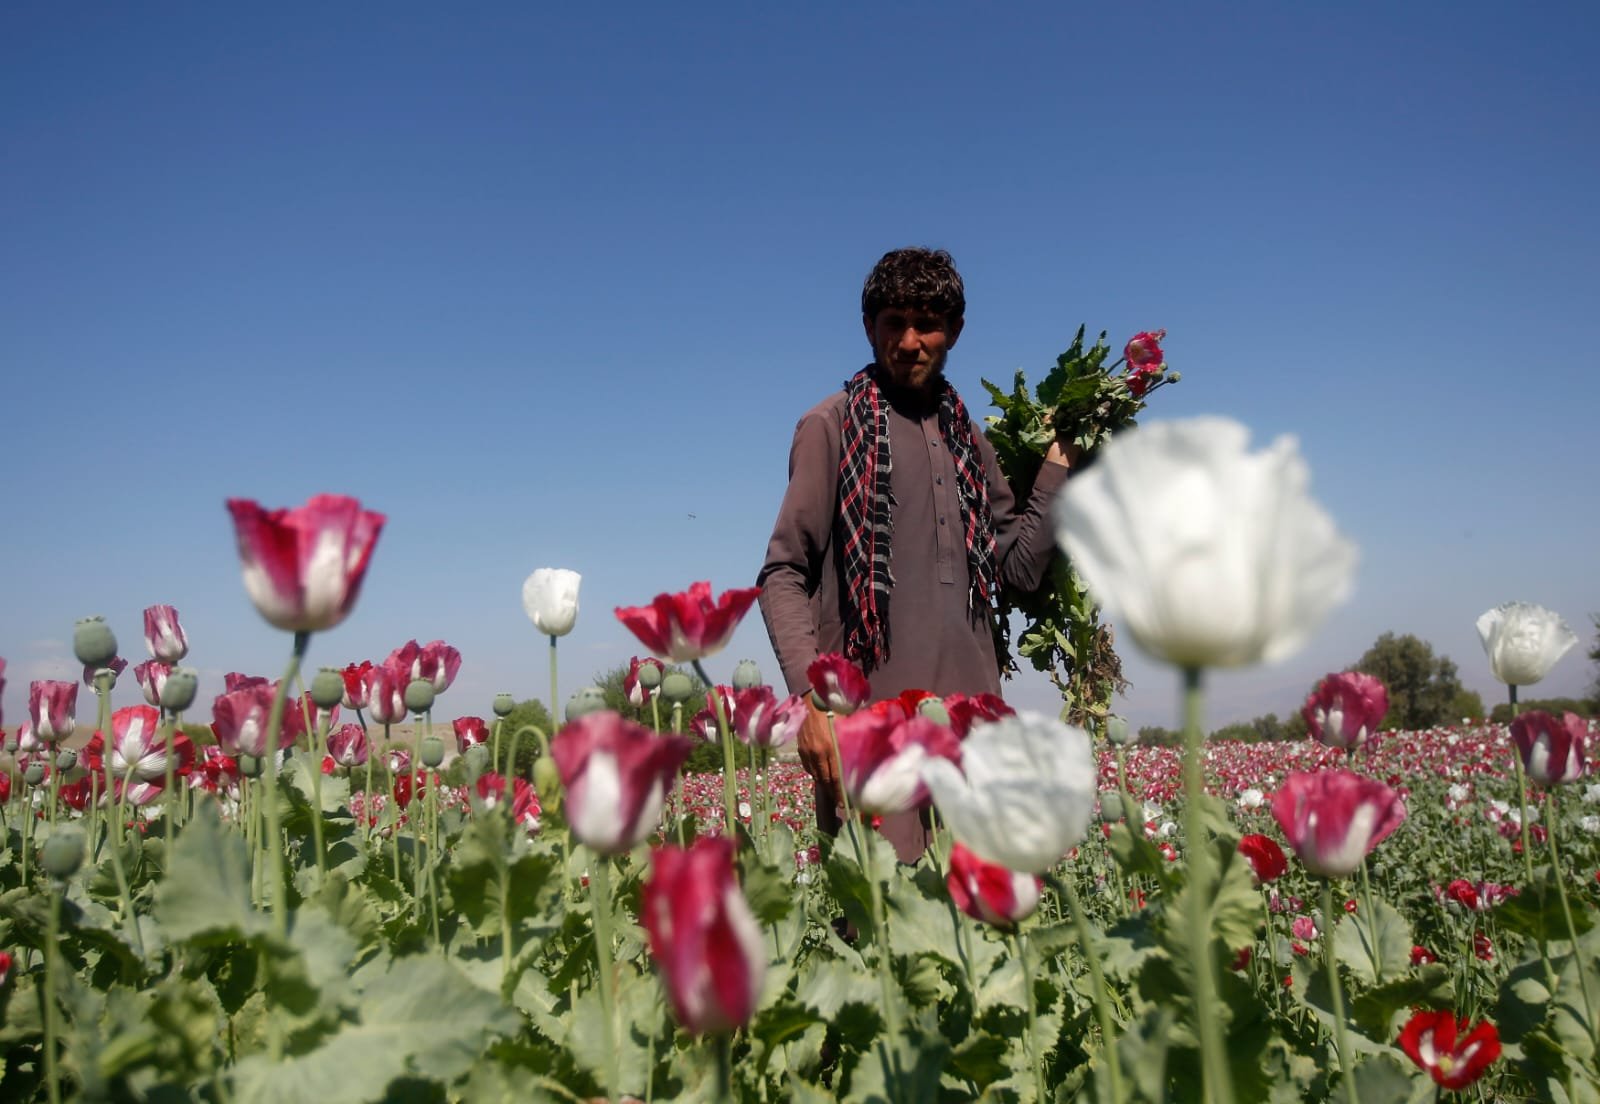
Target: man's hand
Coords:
[(1065, 453), (816, 749)]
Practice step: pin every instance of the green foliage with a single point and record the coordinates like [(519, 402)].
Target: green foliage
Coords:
[(1467, 704), (522, 720), (1264, 728), (1079, 401), (1423, 688)]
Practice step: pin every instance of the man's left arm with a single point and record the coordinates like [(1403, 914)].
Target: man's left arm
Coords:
[(1024, 537)]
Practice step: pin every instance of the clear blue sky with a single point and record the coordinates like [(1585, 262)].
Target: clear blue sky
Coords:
[(550, 286)]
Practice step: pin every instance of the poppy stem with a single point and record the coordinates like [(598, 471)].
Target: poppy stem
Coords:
[(1102, 999), (730, 780), (544, 748), (1566, 909), (278, 904), (1340, 1034), (1217, 1078), (52, 981), (600, 907), (317, 729)]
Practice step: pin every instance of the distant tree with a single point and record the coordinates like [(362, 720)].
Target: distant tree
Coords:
[(1468, 704), (1423, 688), (1156, 736), (1558, 706)]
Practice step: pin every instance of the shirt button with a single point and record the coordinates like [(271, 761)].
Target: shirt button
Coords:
[(933, 444), (939, 479), (941, 521)]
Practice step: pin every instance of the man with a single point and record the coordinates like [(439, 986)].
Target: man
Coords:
[(897, 528)]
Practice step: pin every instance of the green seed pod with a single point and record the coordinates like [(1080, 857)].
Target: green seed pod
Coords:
[(746, 675), (547, 782), (178, 694), (504, 704), (251, 766), (66, 759), (1110, 806), (62, 853), (591, 699), (419, 695), (476, 760), (677, 687), (1174, 377), (327, 689), (432, 751), (1117, 730), (649, 676), (93, 642), (934, 710), (34, 775)]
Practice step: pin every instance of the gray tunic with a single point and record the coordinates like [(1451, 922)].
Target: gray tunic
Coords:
[(935, 642)]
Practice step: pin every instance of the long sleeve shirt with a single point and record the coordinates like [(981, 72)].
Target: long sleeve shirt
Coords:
[(935, 642)]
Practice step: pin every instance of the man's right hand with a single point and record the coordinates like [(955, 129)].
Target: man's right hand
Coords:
[(816, 748)]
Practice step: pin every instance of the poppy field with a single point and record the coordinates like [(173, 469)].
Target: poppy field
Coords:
[(265, 897)]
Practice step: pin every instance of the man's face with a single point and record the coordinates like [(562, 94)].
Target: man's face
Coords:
[(910, 344)]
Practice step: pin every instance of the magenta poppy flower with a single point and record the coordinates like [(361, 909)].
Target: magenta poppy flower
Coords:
[(1143, 350), (688, 625), (385, 685), (347, 746), (1345, 709), (303, 567), (52, 709), (1552, 751), (163, 635), (703, 936), (990, 892), (436, 663), (152, 677), (1442, 1045), (968, 710), (616, 775), (116, 665), (233, 680), (882, 753), (239, 721), (1334, 818), (137, 749), (469, 732), (837, 684)]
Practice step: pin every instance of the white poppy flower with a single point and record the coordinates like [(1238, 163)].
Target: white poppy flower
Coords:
[(550, 595), (1023, 794), (1210, 555), (1523, 641)]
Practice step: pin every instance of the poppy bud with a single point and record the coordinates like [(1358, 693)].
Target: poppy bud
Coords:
[(676, 687), (66, 759), (1117, 730), (547, 781), (432, 751), (746, 675), (934, 710), (1110, 807), (1174, 377), (177, 694), (419, 695), (591, 699), (504, 704), (250, 766), (93, 642), (649, 676), (62, 853), (34, 775), (327, 689)]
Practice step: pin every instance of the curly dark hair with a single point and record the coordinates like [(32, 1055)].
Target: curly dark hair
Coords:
[(923, 278)]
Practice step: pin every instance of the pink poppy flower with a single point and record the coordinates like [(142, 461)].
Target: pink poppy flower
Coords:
[(881, 756), (347, 746), (1333, 818), (688, 625), (837, 684), (469, 732), (303, 567), (52, 709), (163, 635), (703, 936), (1552, 751), (137, 749), (616, 775), (1345, 709)]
